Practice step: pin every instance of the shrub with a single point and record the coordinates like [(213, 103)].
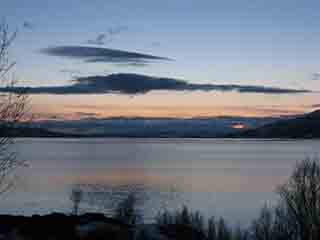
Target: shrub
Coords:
[(213, 230), (76, 197), (126, 210), (301, 198)]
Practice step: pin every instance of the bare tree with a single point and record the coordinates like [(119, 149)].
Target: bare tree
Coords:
[(126, 210), (301, 196), (262, 228), (284, 227), (13, 107), (76, 197)]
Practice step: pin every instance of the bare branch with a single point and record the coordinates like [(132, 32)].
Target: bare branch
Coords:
[(13, 107)]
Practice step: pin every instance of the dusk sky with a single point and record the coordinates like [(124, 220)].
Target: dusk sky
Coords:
[(203, 47)]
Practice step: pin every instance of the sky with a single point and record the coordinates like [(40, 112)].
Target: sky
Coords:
[(177, 58)]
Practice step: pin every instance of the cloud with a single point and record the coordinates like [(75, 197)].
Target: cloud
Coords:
[(86, 114), (133, 64), (70, 71), (111, 32), (28, 25), (99, 40), (127, 83), (96, 54), (316, 76)]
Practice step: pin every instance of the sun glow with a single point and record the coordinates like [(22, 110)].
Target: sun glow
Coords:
[(238, 126)]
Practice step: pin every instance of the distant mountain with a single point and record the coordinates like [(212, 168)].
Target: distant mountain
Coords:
[(198, 127), (305, 126), (139, 127), (31, 132)]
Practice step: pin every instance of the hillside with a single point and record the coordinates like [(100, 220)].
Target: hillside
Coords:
[(31, 132), (306, 126), (143, 127)]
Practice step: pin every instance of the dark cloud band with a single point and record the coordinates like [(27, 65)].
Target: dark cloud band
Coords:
[(126, 83), (97, 54)]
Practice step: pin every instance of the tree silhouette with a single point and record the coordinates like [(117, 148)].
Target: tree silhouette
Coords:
[(301, 196), (13, 107)]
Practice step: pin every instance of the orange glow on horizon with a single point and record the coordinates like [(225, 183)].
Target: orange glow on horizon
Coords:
[(79, 112), (175, 105), (239, 126)]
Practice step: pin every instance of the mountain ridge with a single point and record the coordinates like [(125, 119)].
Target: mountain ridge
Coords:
[(296, 127), (303, 127)]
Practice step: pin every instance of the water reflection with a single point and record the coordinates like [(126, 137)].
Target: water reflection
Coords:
[(150, 199), (230, 178)]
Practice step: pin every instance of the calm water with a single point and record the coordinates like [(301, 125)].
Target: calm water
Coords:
[(230, 178)]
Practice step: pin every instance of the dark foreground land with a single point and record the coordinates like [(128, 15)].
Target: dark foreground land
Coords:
[(89, 226)]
